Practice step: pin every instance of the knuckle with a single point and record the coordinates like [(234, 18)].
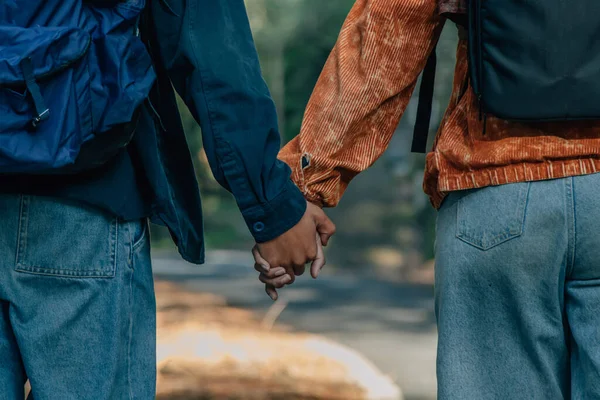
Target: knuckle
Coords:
[(301, 260), (278, 284), (271, 274)]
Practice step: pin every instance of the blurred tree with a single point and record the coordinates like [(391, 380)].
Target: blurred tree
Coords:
[(274, 22), (293, 38), (385, 205), (306, 52)]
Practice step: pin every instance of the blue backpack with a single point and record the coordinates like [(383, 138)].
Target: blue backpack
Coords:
[(73, 73)]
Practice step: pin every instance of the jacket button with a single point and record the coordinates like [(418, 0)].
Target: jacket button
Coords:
[(259, 227)]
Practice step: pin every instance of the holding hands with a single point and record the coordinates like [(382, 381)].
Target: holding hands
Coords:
[(280, 260)]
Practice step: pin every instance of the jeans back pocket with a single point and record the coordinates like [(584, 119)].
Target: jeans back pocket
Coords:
[(64, 239), (492, 215)]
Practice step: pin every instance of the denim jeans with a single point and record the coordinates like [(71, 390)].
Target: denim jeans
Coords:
[(77, 308), (517, 290)]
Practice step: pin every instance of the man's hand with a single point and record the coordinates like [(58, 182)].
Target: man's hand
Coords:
[(276, 278), (285, 257)]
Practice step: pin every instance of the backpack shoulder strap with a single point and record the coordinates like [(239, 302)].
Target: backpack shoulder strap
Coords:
[(422, 123), (423, 120)]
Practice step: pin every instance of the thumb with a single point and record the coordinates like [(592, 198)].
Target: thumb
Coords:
[(319, 262), (325, 228)]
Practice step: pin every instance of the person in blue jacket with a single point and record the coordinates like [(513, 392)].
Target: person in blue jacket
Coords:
[(77, 307)]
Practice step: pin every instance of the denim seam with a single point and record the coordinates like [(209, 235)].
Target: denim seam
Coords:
[(22, 233), (130, 338), (113, 248), (140, 241), (130, 242), (571, 221), (63, 273)]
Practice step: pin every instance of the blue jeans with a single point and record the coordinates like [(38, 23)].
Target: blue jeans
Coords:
[(77, 308), (517, 290)]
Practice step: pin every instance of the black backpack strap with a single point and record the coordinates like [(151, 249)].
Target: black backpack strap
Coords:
[(419, 144)]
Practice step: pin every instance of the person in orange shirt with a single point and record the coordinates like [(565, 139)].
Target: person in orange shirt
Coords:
[(517, 281)]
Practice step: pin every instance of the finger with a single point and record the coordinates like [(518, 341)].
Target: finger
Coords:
[(278, 282), (319, 263), (261, 268), (259, 260), (326, 228), (289, 270), (272, 292), (272, 273), (299, 269), (324, 238), (309, 256)]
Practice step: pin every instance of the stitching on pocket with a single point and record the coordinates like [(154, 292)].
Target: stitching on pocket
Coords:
[(512, 225), (64, 273), (23, 221)]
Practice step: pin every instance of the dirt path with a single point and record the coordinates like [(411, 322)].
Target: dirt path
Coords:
[(391, 324)]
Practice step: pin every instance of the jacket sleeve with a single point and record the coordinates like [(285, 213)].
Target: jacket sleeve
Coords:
[(361, 94), (208, 50)]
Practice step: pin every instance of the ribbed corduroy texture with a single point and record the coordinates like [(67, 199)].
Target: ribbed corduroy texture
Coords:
[(365, 87)]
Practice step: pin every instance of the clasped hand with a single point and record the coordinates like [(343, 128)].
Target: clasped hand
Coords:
[(282, 259)]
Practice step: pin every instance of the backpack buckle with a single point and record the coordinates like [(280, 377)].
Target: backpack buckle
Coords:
[(43, 112), (44, 115)]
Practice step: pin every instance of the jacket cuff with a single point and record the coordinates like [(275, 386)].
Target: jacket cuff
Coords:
[(270, 220)]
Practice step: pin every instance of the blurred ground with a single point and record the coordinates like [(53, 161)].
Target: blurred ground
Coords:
[(391, 323), (207, 349)]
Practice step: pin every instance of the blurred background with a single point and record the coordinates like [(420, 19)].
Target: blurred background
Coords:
[(376, 297)]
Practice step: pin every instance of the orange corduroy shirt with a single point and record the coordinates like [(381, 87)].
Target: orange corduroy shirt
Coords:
[(365, 87)]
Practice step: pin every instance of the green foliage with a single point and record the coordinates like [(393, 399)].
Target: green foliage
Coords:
[(305, 54), (294, 39)]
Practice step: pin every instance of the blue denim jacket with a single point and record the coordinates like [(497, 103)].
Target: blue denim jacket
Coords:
[(205, 50)]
